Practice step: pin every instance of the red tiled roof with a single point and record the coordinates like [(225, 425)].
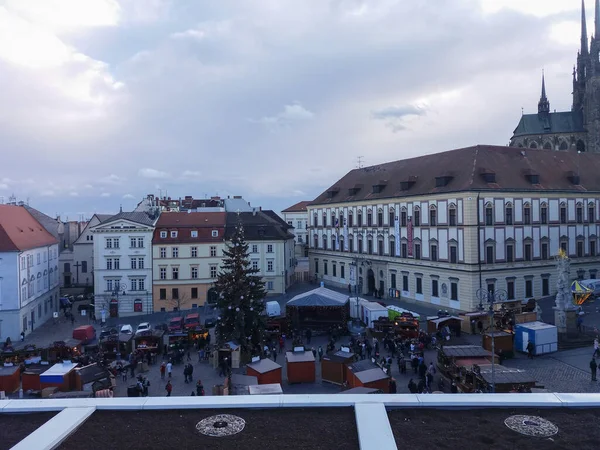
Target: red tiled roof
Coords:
[(20, 231), (185, 223), (298, 207), (465, 169)]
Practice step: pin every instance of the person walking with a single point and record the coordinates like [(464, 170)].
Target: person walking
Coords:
[(593, 368), (320, 352), (163, 369), (596, 348), (530, 348), (169, 369), (169, 388)]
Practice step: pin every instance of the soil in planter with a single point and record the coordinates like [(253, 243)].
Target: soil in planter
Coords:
[(16, 427), (317, 428), (485, 428)]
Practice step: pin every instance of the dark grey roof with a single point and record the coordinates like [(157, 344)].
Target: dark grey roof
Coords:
[(50, 224), (557, 122), (319, 297), (306, 356), (258, 226), (505, 375), (339, 357), (361, 390), (361, 366), (138, 217), (368, 376), (465, 351)]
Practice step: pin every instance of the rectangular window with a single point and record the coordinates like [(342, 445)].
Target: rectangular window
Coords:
[(254, 264), (213, 251), (563, 214), (510, 290), (194, 273), (109, 243), (369, 220), (269, 248), (544, 250), (545, 286), (134, 263), (270, 266), (489, 254), (563, 246), (491, 287), (417, 218), (109, 285), (316, 266), (380, 219), (359, 220), (405, 283), (453, 291), (254, 248), (452, 217), (133, 242), (213, 271), (194, 233), (115, 242), (140, 263), (404, 249), (419, 285), (380, 247), (393, 280), (528, 252), (592, 248), (579, 249), (350, 221), (173, 234), (432, 217), (369, 246), (194, 292), (270, 286), (39, 258), (109, 264), (134, 286), (83, 266), (403, 219), (325, 267), (163, 273), (489, 216), (392, 248), (334, 270), (433, 254), (163, 234), (434, 288), (342, 272), (527, 216), (510, 253), (194, 252), (175, 293), (544, 215), (453, 254), (509, 216), (175, 273), (163, 252), (528, 288), (140, 242), (579, 214), (175, 252), (591, 214), (417, 251), (392, 219)]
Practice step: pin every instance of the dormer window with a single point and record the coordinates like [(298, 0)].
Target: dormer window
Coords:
[(405, 185), (574, 178), (532, 177), (331, 192), (355, 190), (378, 188), (442, 181), (163, 234), (489, 176), (173, 234), (214, 233), (194, 233)]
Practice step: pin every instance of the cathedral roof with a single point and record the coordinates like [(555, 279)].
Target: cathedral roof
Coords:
[(552, 123)]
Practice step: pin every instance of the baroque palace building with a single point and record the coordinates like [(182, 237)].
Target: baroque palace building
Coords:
[(579, 128), (438, 228)]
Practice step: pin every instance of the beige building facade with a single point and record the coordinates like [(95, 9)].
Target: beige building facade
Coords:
[(442, 247)]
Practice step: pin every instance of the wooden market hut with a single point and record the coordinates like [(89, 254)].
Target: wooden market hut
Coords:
[(449, 355), (10, 378), (319, 309), (265, 370), (502, 341), (265, 389), (300, 366), (150, 341), (231, 351), (333, 366), (30, 379), (117, 343), (465, 325), (366, 373), (61, 375), (505, 378), (362, 390), (435, 323), (240, 384), (93, 378)]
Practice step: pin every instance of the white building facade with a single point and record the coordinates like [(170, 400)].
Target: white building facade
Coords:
[(297, 216), (83, 253), (443, 247), (28, 274), (123, 265)]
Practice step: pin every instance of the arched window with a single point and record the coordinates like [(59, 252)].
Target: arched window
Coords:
[(359, 219), (564, 145), (369, 218), (580, 146), (324, 242), (533, 145), (526, 213), (548, 146), (452, 214), (489, 214), (432, 216)]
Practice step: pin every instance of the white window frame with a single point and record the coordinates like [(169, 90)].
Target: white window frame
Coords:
[(194, 252), (213, 271), (173, 234), (133, 242), (215, 233), (140, 263), (194, 273), (162, 273), (194, 233), (163, 234), (175, 252), (269, 248), (270, 266), (254, 248), (213, 250), (163, 252)]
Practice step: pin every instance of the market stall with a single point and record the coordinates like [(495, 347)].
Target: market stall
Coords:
[(505, 379), (150, 341), (319, 309), (543, 336), (333, 366), (300, 366), (240, 384), (10, 379), (229, 350), (93, 378), (471, 319), (366, 373), (116, 344), (61, 376), (199, 335), (581, 293), (265, 370), (395, 311), (404, 325), (435, 324), (503, 342), (30, 379), (449, 355), (64, 350)]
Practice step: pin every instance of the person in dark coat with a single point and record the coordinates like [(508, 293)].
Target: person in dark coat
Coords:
[(393, 388), (530, 348), (412, 387), (593, 368)]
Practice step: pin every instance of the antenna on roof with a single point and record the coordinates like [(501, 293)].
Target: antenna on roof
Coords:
[(359, 161), (522, 111)]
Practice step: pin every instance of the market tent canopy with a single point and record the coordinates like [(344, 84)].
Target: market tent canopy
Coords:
[(580, 292), (319, 297)]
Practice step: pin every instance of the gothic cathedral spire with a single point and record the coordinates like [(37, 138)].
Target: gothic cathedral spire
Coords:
[(543, 104), (597, 20), (584, 36)]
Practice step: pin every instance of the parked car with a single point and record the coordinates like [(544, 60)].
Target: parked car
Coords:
[(143, 327), (105, 332), (161, 326), (126, 329), (210, 322)]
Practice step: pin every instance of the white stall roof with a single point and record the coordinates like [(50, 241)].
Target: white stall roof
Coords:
[(60, 369), (536, 325)]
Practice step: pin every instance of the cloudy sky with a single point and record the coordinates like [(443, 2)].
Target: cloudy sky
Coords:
[(104, 101)]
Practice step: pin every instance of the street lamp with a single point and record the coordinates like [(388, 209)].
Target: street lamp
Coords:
[(491, 297), (363, 261)]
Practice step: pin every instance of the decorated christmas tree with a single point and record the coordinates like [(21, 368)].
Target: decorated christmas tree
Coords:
[(241, 292)]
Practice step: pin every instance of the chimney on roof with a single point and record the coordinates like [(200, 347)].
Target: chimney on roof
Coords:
[(253, 211), (237, 196)]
